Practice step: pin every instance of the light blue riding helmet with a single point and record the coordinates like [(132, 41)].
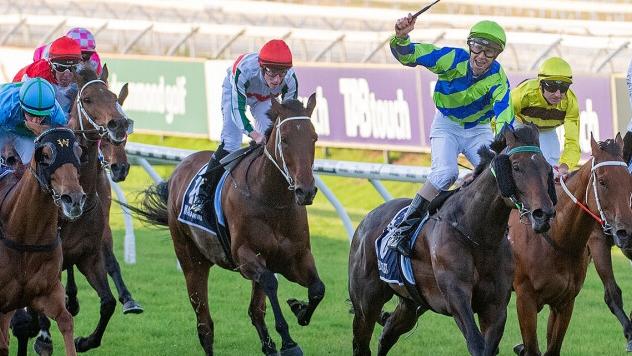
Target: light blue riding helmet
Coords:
[(37, 97)]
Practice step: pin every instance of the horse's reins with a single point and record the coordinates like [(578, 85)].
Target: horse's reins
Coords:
[(601, 219), (278, 151)]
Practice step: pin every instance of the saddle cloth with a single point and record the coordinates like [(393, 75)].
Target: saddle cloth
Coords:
[(394, 267), (189, 217)]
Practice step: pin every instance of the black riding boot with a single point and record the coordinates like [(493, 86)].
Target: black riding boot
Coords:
[(210, 177), (402, 232)]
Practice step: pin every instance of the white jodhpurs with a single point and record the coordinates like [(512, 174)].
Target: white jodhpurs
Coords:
[(550, 146), (447, 140)]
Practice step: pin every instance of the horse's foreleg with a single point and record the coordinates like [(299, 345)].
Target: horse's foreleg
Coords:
[(130, 306), (257, 312), (304, 272), (252, 266), (528, 320), (92, 269), (196, 269), (492, 321), (54, 307), (72, 303), (5, 320), (400, 321), (558, 324), (601, 254)]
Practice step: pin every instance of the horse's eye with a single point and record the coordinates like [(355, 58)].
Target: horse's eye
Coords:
[(515, 167), (86, 100), (284, 140), (602, 182)]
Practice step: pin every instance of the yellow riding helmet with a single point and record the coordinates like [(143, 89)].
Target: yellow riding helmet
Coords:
[(555, 68)]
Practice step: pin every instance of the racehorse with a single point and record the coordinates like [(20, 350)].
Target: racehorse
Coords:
[(31, 252), (267, 222), (115, 160), (461, 261), (96, 115), (551, 267)]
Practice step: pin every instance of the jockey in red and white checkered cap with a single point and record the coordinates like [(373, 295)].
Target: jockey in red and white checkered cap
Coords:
[(88, 46)]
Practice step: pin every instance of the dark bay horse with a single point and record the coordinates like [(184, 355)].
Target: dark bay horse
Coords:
[(551, 267), (31, 252), (96, 115), (461, 261), (116, 162), (267, 223)]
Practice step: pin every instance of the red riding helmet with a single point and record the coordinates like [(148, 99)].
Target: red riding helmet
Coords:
[(275, 53), (65, 49)]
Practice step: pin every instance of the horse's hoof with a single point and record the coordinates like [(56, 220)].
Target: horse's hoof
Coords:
[(43, 347), (519, 349), (132, 307), (292, 351), (298, 308), (72, 304), (629, 346), (83, 344)]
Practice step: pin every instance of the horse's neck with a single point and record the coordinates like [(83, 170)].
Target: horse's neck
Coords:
[(572, 226), (269, 184), (480, 210), (28, 213)]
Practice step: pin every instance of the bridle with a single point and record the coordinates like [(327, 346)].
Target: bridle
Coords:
[(278, 151), (601, 219), (101, 131)]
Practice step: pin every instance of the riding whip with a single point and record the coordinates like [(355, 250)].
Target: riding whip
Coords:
[(424, 9)]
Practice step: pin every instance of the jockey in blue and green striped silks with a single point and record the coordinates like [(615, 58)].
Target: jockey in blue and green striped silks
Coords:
[(473, 102)]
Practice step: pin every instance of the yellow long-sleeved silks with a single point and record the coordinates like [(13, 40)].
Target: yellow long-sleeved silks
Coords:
[(530, 106)]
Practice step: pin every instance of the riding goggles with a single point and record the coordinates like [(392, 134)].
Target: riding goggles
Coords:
[(273, 72), (477, 46), (553, 86), (61, 67)]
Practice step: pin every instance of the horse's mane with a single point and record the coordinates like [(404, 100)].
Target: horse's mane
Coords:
[(610, 145), (294, 105)]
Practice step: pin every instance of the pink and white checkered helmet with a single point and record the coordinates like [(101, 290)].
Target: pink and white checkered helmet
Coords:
[(83, 37)]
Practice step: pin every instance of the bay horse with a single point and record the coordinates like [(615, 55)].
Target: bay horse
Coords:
[(31, 251), (551, 267), (461, 261), (264, 204), (116, 162), (95, 115)]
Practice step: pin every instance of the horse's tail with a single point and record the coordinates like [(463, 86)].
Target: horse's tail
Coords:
[(153, 207)]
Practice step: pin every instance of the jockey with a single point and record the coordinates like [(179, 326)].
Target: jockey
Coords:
[(472, 91), (89, 56), (58, 68), (548, 102), (252, 80), (23, 105)]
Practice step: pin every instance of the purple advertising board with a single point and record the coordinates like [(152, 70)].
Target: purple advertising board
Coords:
[(391, 107)]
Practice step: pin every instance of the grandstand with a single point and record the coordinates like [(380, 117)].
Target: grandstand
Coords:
[(592, 35)]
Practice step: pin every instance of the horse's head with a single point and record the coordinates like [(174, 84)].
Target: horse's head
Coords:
[(524, 176), (115, 154), (12, 159), (610, 189), (97, 108), (56, 165), (292, 139)]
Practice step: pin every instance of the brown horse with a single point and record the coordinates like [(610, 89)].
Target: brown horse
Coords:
[(115, 161), (461, 262), (31, 252), (267, 224), (551, 268), (96, 115)]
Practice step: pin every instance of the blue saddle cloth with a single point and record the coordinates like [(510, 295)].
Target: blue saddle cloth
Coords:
[(189, 217), (394, 267)]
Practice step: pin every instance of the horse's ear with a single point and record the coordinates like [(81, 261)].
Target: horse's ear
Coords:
[(104, 73), (123, 94), (508, 134), (276, 106), (594, 146), (311, 104)]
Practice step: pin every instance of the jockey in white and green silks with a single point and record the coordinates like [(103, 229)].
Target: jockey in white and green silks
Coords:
[(472, 99), (251, 81)]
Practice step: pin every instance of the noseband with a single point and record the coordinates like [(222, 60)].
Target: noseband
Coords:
[(278, 151), (605, 226)]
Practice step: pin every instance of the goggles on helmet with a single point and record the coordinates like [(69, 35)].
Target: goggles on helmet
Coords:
[(62, 67), (273, 72), (478, 45), (553, 86)]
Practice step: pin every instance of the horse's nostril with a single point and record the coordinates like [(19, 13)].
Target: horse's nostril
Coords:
[(66, 199), (622, 234), (538, 214)]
